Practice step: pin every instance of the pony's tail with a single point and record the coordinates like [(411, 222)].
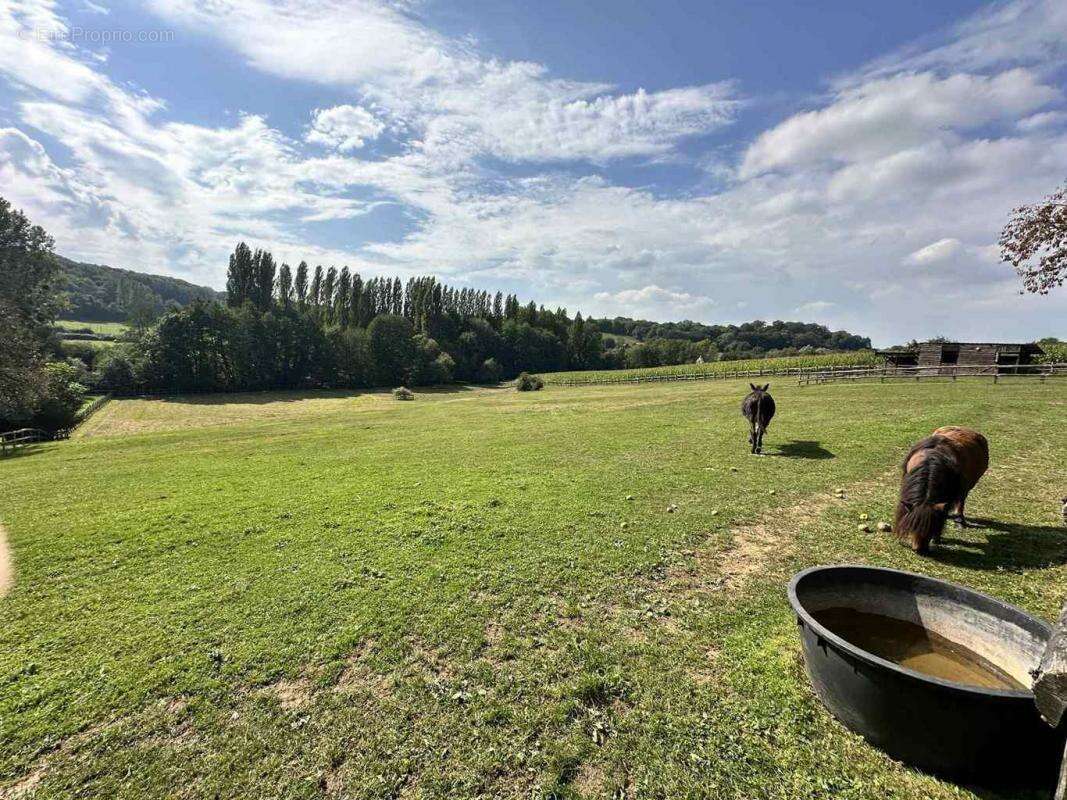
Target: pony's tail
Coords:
[(918, 526)]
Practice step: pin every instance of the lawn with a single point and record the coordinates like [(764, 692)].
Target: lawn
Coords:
[(481, 593), (111, 328)]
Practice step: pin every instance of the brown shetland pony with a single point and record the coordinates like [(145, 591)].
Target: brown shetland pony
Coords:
[(939, 472)]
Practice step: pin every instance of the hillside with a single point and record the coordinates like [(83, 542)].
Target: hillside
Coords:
[(99, 293)]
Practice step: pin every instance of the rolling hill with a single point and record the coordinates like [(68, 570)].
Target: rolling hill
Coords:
[(99, 293)]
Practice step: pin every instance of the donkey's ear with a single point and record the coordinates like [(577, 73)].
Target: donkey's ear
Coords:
[(766, 386), (753, 387)]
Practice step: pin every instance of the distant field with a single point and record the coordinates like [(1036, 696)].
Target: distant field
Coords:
[(480, 593), (95, 344), (859, 358), (110, 328), (122, 417)]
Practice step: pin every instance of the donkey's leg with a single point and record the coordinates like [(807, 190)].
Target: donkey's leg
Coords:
[(752, 435), (961, 518)]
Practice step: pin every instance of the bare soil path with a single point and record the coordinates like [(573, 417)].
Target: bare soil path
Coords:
[(7, 566)]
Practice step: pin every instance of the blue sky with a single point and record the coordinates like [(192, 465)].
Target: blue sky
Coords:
[(847, 163)]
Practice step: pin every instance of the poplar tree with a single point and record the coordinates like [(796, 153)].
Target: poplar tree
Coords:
[(301, 285), (263, 280), (340, 300), (239, 276), (354, 300), (285, 286), (315, 294), (329, 285)]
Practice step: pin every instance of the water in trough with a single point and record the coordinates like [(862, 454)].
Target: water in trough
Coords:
[(915, 647)]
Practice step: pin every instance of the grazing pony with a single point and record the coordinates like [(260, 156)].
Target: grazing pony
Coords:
[(758, 409), (939, 473)]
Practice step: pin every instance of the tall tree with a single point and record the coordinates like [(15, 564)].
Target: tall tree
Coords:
[(1038, 231), (300, 285), (355, 300), (285, 286), (340, 300), (263, 279), (315, 294), (29, 302), (391, 348), (240, 276), (139, 304), (329, 286)]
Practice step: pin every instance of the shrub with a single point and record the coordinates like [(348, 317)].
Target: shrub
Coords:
[(528, 383), (403, 393), (490, 371), (115, 371), (63, 397)]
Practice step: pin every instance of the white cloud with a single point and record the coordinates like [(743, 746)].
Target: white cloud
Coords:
[(459, 102), (1045, 119), (653, 294), (343, 128), (1002, 34), (889, 115), (814, 308), (941, 250)]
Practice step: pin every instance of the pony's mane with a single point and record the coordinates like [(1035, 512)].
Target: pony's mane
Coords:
[(934, 481)]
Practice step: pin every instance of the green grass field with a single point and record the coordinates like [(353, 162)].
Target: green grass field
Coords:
[(480, 593), (112, 328), (858, 358)]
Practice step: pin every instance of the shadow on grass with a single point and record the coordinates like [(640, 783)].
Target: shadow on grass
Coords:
[(21, 451), (803, 449), (1006, 546), (296, 395)]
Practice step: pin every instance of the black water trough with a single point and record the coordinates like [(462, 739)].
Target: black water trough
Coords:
[(991, 737)]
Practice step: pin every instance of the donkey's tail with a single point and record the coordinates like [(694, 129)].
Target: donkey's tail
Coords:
[(919, 525)]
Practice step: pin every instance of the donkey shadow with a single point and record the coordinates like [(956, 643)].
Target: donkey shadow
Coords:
[(1006, 546), (797, 448)]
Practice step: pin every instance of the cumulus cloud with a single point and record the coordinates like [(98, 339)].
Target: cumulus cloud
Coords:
[(461, 102), (343, 128), (891, 115), (653, 294), (941, 250)]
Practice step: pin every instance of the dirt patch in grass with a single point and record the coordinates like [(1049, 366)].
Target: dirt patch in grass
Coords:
[(357, 675), (7, 566), (24, 785), (292, 695), (755, 546), (591, 781)]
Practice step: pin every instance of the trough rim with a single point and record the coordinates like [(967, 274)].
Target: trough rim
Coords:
[(870, 658)]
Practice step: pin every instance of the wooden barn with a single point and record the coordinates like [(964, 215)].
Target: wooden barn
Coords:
[(1004, 355)]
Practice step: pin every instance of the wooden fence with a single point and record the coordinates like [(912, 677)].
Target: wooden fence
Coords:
[(994, 371), (698, 376), (12, 440)]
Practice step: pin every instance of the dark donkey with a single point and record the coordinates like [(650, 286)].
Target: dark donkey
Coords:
[(939, 473), (758, 409)]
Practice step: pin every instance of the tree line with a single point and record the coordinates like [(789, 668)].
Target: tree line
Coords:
[(282, 328), (278, 327)]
